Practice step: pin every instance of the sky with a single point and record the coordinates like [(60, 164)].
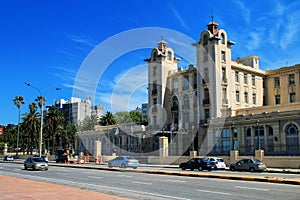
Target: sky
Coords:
[(96, 49)]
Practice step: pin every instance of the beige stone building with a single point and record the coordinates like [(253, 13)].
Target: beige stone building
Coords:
[(213, 107), (224, 104)]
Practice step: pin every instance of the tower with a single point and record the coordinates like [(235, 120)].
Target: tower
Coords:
[(161, 62), (214, 65)]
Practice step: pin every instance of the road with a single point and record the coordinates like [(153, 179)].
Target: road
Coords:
[(153, 186)]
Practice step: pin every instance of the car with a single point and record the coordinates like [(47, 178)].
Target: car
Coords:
[(197, 163), (248, 164), (8, 158), (35, 163), (219, 162), (123, 162), (61, 158)]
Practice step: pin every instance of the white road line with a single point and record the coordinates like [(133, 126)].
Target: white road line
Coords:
[(213, 192), (95, 177), (142, 183), (167, 180), (250, 188), (127, 176)]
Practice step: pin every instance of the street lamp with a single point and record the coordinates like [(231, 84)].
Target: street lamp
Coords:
[(258, 139), (232, 136), (42, 101)]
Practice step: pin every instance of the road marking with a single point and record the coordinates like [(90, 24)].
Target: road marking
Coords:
[(167, 180), (95, 177), (142, 183), (250, 188), (125, 176), (213, 192)]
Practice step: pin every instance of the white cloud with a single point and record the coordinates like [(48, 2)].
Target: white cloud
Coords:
[(180, 19), (82, 41), (246, 14)]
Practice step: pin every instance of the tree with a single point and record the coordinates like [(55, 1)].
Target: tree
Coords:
[(107, 119), (122, 117), (31, 123), (136, 116), (69, 134), (54, 125), (88, 123), (18, 100)]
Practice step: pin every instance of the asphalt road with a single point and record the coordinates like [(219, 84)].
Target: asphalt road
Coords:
[(153, 186)]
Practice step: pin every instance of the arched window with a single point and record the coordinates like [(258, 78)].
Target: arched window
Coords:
[(223, 38), (205, 39), (292, 130), (169, 55), (292, 140), (154, 56)]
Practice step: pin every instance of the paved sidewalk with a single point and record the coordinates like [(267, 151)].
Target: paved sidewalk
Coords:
[(16, 188)]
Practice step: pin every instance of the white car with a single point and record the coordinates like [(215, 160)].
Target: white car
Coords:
[(219, 162)]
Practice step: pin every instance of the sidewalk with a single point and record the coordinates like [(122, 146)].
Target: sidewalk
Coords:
[(16, 188)]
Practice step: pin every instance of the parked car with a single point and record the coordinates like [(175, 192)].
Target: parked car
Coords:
[(35, 163), (197, 163), (219, 162), (61, 158), (123, 162), (248, 164), (8, 158)]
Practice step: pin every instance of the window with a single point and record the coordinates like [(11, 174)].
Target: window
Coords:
[(224, 75), (205, 39), (276, 82), (224, 95), (292, 79), (206, 96), (207, 114), (237, 96), (169, 55), (253, 80), (254, 98), (246, 97), (186, 102), (223, 56), (195, 80), (237, 76), (277, 99), (175, 84), (206, 75), (154, 71), (292, 140), (245, 79), (186, 82), (225, 133), (292, 97), (223, 38)]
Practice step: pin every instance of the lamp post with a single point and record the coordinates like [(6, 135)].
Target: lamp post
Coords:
[(232, 136), (258, 139), (42, 100)]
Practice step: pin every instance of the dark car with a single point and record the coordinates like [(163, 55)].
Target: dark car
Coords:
[(61, 158), (248, 164), (197, 163), (35, 163)]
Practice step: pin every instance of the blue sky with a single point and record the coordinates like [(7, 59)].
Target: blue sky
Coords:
[(47, 43)]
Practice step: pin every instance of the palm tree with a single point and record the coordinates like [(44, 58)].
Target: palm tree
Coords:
[(54, 120), (107, 119), (31, 123), (18, 100)]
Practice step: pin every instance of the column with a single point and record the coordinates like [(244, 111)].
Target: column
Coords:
[(163, 147)]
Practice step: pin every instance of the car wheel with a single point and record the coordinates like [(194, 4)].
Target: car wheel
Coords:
[(134, 167), (183, 168), (25, 167), (109, 165), (123, 166), (252, 169), (200, 168), (232, 168), (209, 169)]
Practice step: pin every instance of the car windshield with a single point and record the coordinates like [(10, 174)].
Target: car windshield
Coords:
[(220, 160), (36, 159), (256, 161), (129, 158)]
